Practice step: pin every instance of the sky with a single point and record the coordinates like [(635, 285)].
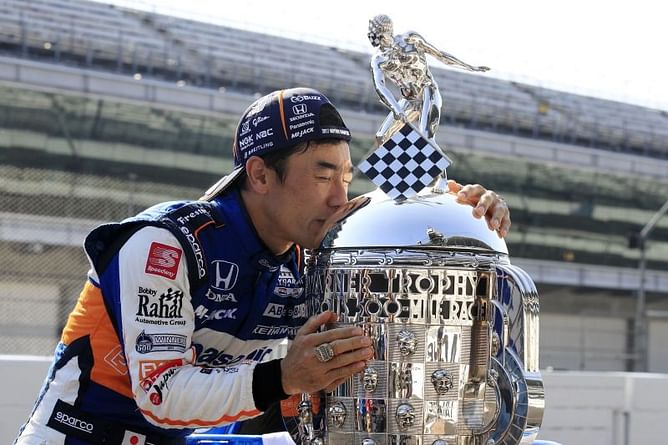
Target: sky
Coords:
[(612, 49)]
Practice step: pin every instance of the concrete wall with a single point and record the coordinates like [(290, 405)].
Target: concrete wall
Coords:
[(21, 378), (595, 408), (582, 408)]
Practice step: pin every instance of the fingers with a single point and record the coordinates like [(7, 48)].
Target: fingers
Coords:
[(454, 186), (301, 368), (470, 194), (489, 204), (345, 345), (331, 335), (314, 322)]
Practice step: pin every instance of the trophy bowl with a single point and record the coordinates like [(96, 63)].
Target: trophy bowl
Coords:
[(453, 325)]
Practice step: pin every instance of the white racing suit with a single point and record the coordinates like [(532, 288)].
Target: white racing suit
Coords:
[(177, 327)]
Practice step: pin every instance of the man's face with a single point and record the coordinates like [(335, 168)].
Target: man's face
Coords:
[(304, 206)]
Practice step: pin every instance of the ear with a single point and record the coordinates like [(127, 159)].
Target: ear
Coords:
[(258, 175)]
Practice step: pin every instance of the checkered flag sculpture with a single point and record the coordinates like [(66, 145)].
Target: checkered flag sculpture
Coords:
[(405, 164)]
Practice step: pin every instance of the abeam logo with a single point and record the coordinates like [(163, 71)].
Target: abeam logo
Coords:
[(226, 275)]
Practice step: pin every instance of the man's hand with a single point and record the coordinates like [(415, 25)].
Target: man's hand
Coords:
[(485, 202), (301, 371)]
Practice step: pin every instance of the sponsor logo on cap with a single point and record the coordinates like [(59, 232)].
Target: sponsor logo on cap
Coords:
[(264, 133), (302, 98), (259, 119), (299, 109), (245, 128), (339, 131)]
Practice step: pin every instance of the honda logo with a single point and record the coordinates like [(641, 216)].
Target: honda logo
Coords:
[(226, 275), (299, 109)]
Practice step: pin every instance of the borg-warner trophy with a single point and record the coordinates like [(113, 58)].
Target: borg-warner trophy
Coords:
[(453, 324)]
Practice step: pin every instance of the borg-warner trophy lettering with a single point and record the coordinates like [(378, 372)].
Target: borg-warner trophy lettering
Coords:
[(452, 323)]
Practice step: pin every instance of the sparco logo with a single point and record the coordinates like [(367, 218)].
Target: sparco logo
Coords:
[(79, 424), (226, 275), (197, 251)]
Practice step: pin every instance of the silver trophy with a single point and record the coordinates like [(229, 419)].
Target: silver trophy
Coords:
[(402, 59), (453, 324), (407, 157)]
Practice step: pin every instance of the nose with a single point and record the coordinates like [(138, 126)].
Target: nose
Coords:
[(338, 194)]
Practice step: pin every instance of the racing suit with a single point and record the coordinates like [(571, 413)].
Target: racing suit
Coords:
[(177, 327)]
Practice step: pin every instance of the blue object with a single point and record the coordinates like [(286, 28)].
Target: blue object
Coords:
[(222, 439)]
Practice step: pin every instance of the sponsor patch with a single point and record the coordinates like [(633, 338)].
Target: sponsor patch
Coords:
[(70, 421), (274, 310), (148, 368), (204, 313), (223, 370), (299, 109), (160, 342), (226, 274), (265, 330), (157, 383), (116, 360), (132, 438), (163, 260), (165, 310), (219, 298), (214, 357)]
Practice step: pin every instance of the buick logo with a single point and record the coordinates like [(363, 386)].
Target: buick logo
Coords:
[(299, 109), (226, 275)]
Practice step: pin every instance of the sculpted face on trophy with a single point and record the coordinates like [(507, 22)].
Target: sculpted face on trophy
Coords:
[(442, 381), (370, 379), (407, 342), (405, 416), (337, 412)]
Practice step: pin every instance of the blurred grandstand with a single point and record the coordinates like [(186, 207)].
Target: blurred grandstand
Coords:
[(106, 110)]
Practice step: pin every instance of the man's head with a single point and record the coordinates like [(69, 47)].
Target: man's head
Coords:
[(291, 150), (279, 124), (380, 31)]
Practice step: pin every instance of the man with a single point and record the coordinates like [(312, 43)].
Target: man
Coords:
[(175, 328), (403, 60)]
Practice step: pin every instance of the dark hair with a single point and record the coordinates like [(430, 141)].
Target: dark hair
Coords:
[(276, 160)]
